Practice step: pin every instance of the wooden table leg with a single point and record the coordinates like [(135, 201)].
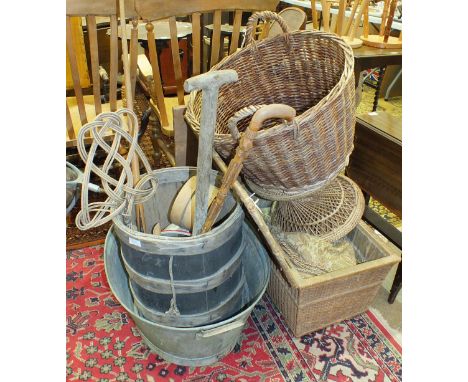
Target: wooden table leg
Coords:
[(379, 85), (396, 286), (366, 197), (357, 73)]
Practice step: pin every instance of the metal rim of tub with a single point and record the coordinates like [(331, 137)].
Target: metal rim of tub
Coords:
[(236, 322), (192, 242), (72, 185), (144, 241), (77, 172)]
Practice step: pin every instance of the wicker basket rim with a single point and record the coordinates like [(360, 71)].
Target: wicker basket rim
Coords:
[(274, 130), (340, 180)]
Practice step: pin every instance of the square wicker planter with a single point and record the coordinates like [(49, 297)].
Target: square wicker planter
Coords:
[(325, 299)]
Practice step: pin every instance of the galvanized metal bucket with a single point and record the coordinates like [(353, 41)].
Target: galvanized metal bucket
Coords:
[(74, 177), (196, 346), (183, 281)]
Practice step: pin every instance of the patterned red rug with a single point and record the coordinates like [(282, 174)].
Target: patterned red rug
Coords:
[(104, 345)]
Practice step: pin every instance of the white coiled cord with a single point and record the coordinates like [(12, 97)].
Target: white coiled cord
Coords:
[(122, 194)]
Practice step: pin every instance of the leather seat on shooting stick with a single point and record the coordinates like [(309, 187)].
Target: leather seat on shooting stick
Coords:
[(196, 11), (295, 19), (85, 75)]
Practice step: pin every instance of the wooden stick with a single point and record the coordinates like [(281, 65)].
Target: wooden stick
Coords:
[(209, 83), (358, 19), (242, 152), (400, 37), (140, 217), (366, 21), (391, 14), (384, 17), (341, 18), (314, 14), (351, 17), (133, 54)]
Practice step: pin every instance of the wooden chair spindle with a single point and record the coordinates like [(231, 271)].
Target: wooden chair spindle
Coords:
[(176, 60), (157, 84), (216, 42), (114, 59), (75, 74), (94, 51)]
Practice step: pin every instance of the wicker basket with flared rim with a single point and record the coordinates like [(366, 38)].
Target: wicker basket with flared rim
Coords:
[(330, 213), (311, 71)]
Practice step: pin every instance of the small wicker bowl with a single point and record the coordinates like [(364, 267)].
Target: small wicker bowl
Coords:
[(330, 213)]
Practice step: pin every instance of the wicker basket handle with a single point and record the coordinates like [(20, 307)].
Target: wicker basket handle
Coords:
[(265, 16), (272, 111)]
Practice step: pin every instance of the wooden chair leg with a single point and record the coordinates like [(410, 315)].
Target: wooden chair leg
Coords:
[(159, 144), (180, 136), (396, 286), (186, 144)]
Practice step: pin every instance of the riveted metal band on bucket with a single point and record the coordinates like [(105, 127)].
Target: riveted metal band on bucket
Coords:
[(163, 286), (232, 303)]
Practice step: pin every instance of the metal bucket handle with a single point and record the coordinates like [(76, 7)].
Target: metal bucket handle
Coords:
[(220, 329)]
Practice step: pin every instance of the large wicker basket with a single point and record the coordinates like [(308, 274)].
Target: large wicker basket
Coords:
[(311, 71)]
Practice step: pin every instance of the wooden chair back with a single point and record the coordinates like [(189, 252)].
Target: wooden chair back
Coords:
[(79, 103), (154, 10)]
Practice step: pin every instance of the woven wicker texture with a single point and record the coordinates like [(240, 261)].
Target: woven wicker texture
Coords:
[(328, 298), (314, 256), (311, 71), (329, 213)]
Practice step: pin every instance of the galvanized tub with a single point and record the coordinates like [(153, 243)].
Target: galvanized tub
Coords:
[(74, 177), (196, 346), (206, 269)]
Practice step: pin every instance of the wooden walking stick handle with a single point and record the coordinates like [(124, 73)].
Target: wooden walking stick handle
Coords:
[(242, 152)]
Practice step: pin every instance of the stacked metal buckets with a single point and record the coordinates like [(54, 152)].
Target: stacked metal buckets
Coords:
[(189, 296)]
